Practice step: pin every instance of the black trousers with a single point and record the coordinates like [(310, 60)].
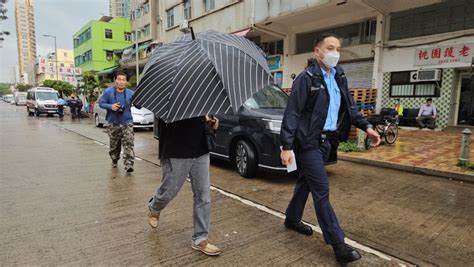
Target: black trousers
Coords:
[(314, 179)]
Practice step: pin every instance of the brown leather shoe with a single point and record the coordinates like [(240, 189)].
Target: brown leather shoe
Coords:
[(207, 248), (154, 220)]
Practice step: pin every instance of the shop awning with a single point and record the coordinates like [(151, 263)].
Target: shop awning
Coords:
[(108, 70), (243, 32), (119, 51)]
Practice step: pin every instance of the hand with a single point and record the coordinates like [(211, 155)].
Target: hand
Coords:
[(433, 117), (214, 123), (286, 157), (374, 136), (417, 117), (115, 106)]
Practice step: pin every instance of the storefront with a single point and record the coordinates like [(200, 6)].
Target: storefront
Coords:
[(442, 71)]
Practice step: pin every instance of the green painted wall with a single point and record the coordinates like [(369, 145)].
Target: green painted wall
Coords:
[(99, 44)]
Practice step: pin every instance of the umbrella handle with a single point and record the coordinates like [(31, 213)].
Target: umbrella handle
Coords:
[(192, 33)]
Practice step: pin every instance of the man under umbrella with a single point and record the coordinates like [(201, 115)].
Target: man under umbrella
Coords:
[(319, 113), (183, 81)]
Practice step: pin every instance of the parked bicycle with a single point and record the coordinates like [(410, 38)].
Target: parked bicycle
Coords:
[(386, 127)]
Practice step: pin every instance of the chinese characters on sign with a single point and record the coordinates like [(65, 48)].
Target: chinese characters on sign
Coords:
[(67, 74), (443, 54)]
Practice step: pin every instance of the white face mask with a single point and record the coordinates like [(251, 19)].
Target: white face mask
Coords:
[(331, 58)]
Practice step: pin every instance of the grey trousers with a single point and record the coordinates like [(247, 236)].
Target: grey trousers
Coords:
[(426, 119), (174, 172)]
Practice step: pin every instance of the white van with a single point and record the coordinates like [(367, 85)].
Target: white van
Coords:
[(20, 98), (42, 100)]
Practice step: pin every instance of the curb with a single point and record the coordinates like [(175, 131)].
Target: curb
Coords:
[(410, 168)]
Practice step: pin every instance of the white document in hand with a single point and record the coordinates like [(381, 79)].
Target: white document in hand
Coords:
[(292, 166)]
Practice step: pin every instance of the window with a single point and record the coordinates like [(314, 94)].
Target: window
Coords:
[(86, 57), (146, 8), (170, 18), (209, 5), (272, 48), (65, 54), (109, 55), (187, 9), (146, 31), (353, 34), (108, 33), (400, 86), (139, 35), (82, 37), (127, 36), (61, 65), (447, 16)]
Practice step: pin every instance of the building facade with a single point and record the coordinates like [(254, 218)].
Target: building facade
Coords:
[(15, 75), (429, 53), (119, 8), (407, 49), (66, 70), (145, 22), (95, 42), (26, 40)]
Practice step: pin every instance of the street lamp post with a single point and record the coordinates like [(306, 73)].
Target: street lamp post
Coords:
[(56, 52), (136, 51)]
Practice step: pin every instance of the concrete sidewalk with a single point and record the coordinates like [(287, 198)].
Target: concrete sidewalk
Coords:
[(420, 151), (62, 204)]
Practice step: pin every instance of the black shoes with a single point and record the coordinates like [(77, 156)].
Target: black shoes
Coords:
[(129, 169), (299, 227), (345, 253)]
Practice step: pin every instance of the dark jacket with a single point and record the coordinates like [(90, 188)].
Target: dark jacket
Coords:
[(307, 110), (182, 139)]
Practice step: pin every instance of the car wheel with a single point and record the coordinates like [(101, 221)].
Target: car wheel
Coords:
[(37, 113), (97, 121), (245, 159), (29, 112)]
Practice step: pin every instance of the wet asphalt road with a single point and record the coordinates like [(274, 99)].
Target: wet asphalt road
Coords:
[(60, 203)]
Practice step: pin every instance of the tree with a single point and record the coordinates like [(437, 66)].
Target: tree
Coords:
[(23, 87), (92, 84), (64, 88), (132, 82), (5, 89)]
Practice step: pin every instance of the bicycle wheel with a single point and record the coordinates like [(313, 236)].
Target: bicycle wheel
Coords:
[(380, 128), (391, 133)]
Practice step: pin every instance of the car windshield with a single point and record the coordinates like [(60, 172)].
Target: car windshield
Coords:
[(270, 97), (46, 96)]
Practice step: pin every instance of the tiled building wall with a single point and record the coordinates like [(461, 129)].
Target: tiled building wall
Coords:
[(442, 103)]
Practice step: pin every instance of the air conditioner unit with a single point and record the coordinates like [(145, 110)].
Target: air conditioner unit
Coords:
[(425, 75)]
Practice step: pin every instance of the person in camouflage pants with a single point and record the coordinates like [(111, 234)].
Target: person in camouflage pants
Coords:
[(121, 135), (117, 101)]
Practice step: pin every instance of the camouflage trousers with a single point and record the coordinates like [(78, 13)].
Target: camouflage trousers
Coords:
[(121, 135)]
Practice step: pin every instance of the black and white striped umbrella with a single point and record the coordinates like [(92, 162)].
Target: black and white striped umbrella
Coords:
[(213, 74)]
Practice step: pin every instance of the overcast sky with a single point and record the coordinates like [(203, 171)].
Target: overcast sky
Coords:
[(61, 18)]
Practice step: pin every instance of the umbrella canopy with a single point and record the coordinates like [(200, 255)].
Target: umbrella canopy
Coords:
[(213, 74)]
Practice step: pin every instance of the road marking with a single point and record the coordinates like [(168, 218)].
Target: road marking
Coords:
[(314, 227), (99, 143)]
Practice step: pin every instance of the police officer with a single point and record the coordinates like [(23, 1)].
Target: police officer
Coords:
[(319, 114), (117, 101)]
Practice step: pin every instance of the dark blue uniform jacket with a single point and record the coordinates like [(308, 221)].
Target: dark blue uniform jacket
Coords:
[(307, 110)]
